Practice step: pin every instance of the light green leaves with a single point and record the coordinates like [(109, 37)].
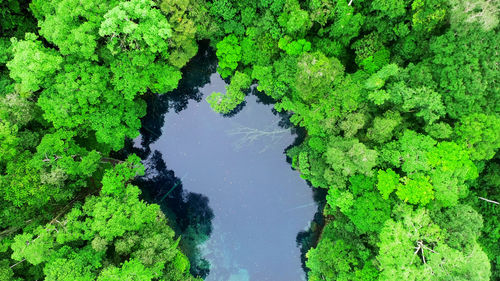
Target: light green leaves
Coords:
[(451, 168), (115, 180), (33, 65), (226, 103), (131, 270), (316, 75), (387, 182), (416, 189), (136, 25), (481, 134), (418, 245), (229, 54)]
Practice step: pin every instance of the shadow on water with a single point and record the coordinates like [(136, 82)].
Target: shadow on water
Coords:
[(195, 75), (189, 213), (309, 238)]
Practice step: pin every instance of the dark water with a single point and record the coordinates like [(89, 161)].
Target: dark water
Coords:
[(224, 182)]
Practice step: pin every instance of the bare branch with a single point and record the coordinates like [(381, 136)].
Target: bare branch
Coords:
[(17, 263), (488, 200)]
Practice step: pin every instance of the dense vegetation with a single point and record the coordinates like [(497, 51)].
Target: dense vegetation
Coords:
[(400, 101)]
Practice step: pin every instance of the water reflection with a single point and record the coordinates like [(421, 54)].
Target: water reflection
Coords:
[(233, 197), (188, 212), (195, 75)]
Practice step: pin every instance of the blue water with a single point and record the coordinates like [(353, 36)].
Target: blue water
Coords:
[(224, 181)]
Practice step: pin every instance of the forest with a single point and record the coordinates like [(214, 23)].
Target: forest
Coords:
[(399, 99)]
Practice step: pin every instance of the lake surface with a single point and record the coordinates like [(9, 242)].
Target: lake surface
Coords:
[(224, 182)]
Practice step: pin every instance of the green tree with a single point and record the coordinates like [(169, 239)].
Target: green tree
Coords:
[(33, 74), (417, 244), (480, 133), (229, 54), (226, 103), (387, 182), (317, 75)]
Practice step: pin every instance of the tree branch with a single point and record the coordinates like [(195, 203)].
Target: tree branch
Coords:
[(488, 200)]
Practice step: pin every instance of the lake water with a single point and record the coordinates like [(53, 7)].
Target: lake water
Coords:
[(224, 181)]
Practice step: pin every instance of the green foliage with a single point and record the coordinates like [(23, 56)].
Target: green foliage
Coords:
[(350, 157), (371, 54), (294, 48), (384, 127), (226, 103), (462, 64), (417, 244), (71, 25), (424, 101), (352, 262), (401, 95), (427, 15), (387, 182), (135, 59), (417, 107), (131, 270), (393, 8), (182, 43), (377, 80), (137, 35), (463, 226), (294, 20), (74, 248), (316, 75), (488, 187), (364, 207), (114, 180), (76, 97), (229, 54), (33, 74), (134, 25), (451, 168), (480, 133), (416, 189)]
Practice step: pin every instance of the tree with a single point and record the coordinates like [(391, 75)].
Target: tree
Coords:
[(293, 19), (463, 227), (483, 12), (384, 127), (416, 244), (226, 103), (229, 54), (451, 168), (340, 255), (392, 9), (182, 43), (350, 157), (428, 15), (473, 90), (130, 270), (33, 74), (364, 207), (416, 189), (71, 25), (317, 75), (95, 240), (95, 88), (479, 132), (387, 182)]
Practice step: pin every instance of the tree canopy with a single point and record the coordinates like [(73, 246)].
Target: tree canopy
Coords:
[(399, 102)]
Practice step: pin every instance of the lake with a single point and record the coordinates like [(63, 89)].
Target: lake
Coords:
[(224, 181)]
